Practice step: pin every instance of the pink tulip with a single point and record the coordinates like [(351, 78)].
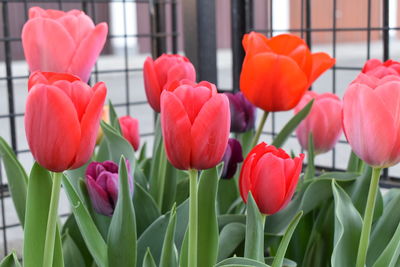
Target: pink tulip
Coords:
[(375, 67), (159, 74), (130, 130), (371, 119), (195, 122), (324, 121), (58, 41)]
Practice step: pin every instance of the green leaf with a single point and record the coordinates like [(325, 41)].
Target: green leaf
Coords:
[(227, 194), (280, 255), (182, 190), (168, 255), (254, 242), (121, 239), (72, 254), (390, 255), (114, 117), (310, 171), (184, 256), (142, 153), (207, 241), (148, 260), (16, 177), (117, 145), (153, 236), (355, 164), (384, 230), (245, 140), (145, 208), (241, 262), (348, 225), (94, 242), (225, 219), (58, 257), (74, 233), (288, 129), (231, 236), (11, 260), (37, 210), (171, 178), (285, 263), (157, 173)]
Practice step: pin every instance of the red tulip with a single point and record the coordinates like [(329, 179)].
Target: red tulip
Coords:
[(324, 121), (271, 175), (130, 130), (60, 41), (195, 122), (159, 74), (375, 67), (278, 71), (371, 120), (62, 119)]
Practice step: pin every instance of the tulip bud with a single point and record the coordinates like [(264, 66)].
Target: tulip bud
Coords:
[(105, 116), (243, 113), (233, 156), (160, 73), (376, 68), (102, 185), (57, 41), (195, 122), (271, 175), (130, 130), (324, 121)]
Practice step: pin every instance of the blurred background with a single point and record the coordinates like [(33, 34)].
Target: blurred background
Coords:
[(209, 32)]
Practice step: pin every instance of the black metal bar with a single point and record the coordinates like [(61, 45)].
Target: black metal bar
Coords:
[(174, 27), (200, 37), (308, 23), (126, 62), (157, 25), (238, 24), (249, 6), (369, 30), (10, 85), (334, 67), (385, 31)]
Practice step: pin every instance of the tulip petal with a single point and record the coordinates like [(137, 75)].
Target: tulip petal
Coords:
[(292, 172), (368, 125), (245, 176), (86, 54), (254, 43), (151, 84), (210, 133), (47, 45), (84, 23), (176, 130), (98, 197), (269, 186), (320, 63), (89, 125), (52, 127), (272, 82)]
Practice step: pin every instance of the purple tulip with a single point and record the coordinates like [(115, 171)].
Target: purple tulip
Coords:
[(233, 156), (243, 113), (102, 185)]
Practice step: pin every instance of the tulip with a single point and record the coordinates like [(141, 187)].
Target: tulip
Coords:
[(324, 121), (371, 122), (62, 119), (195, 122), (278, 71), (130, 130), (160, 73), (233, 156), (58, 41), (271, 175), (375, 67), (243, 113), (102, 185), (105, 116)]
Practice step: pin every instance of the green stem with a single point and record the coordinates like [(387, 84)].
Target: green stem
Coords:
[(368, 216), (161, 177), (52, 221), (192, 255), (259, 129)]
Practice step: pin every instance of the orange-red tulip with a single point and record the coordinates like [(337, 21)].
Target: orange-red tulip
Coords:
[(195, 122), (59, 41), (371, 120), (62, 119), (160, 73), (324, 121), (271, 176), (277, 72), (130, 130)]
